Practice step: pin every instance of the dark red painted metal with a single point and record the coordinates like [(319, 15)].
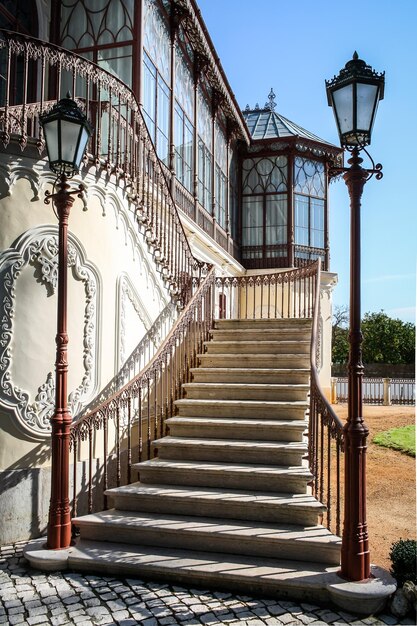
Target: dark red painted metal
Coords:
[(59, 525), (355, 563)]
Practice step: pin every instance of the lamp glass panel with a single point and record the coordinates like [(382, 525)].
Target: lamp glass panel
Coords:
[(366, 96), (50, 130), (343, 108), (81, 147), (69, 140)]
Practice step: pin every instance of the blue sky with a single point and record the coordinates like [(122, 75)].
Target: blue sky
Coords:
[(293, 47)]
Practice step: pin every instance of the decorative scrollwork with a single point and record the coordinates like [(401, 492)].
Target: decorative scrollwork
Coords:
[(133, 161), (39, 248)]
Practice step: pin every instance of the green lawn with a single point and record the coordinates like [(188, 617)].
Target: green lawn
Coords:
[(402, 439)]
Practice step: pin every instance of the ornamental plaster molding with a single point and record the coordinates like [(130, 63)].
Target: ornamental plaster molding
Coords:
[(327, 283), (112, 199), (38, 248), (126, 293), (319, 352), (123, 211), (34, 171), (12, 171)]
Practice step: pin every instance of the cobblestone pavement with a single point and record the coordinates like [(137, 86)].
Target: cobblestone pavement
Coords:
[(30, 597)]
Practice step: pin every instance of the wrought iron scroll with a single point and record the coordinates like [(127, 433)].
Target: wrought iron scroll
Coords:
[(120, 146)]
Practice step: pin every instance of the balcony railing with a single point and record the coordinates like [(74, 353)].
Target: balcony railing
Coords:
[(35, 75)]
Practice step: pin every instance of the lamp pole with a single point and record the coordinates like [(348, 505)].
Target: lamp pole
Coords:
[(355, 560), (59, 524), (66, 132), (354, 96)]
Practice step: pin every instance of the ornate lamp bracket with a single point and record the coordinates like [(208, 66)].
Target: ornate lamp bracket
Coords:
[(355, 162), (64, 189)]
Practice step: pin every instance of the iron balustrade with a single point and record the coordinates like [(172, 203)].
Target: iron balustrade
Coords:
[(283, 294), (36, 75), (119, 432), (325, 436)]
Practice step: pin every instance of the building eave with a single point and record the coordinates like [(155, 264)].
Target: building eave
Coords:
[(201, 40), (300, 144)]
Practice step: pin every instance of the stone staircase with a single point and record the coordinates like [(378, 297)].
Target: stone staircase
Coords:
[(226, 503)]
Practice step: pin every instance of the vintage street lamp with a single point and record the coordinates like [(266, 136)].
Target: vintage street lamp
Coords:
[(354, 96), (66, 132)]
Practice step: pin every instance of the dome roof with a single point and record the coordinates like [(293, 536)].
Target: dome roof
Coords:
[(265, 123)]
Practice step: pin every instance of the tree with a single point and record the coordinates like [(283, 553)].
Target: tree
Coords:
[(340, 335), (387, 340)]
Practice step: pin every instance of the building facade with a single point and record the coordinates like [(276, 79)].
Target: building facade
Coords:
[(176, 175)]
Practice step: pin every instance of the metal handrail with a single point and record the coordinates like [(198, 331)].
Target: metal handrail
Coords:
[(326, 432), (120, 146)]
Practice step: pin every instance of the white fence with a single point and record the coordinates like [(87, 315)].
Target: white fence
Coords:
[(383, 391)]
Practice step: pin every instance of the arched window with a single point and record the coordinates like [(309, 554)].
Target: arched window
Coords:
[(220, 171), (264, 207), (184, 116), (309, 207), (205, 150), (101, 31), (157, 77)]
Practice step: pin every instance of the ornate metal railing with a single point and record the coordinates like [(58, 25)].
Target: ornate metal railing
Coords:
[(325, 435), (119, 432), (34, 76), (283, 294)]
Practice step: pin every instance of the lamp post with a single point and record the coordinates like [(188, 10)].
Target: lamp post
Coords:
[(354, 95), (66, 132)]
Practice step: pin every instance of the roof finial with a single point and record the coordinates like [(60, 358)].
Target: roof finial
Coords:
[(271, 104), (355, 56)]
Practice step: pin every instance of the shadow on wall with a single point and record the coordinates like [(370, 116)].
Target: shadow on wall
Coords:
[(24, 495), (139, 358), (25, 485)]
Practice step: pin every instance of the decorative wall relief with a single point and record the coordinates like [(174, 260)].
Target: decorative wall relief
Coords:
[(128, 294), (38, 249)]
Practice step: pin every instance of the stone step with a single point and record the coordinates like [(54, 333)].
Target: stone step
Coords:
[(281, 324), (254, 361), (245, 391), (230, 451), (248, 505), (241, 574), (205, 534), (228, 475), (262, 334), (242, 408), (244, 346), (228, 428), (251, 375)]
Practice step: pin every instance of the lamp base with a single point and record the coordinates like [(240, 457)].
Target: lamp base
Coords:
[(366, 597), (45, 559)]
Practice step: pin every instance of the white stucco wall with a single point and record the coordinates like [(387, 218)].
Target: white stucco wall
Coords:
[(114, 295)]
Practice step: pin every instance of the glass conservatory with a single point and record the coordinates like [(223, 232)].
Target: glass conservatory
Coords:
[(252, 181), (284, 180)]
